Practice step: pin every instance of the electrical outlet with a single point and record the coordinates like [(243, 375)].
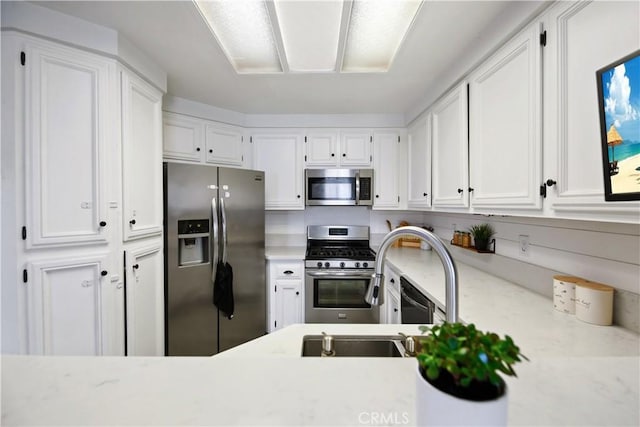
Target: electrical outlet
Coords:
[(524, 244)]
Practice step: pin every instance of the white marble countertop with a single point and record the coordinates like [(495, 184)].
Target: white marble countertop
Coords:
[(579, 374)]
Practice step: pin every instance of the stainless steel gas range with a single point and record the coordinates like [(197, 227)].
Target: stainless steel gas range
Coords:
[(338, 268)]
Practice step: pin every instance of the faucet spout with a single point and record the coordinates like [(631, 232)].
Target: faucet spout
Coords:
[(374, 295)]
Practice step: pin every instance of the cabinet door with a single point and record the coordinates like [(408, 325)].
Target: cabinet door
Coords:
[(141, 158), (386, 181), (355, 148), (145, 301), (505, 127), (393, 308), (321, 148), (450, 150), (419, 155), (582, 37), (288, 302), (67, 120), (182, 137), (66, 314), (224, 144), (280, 157)]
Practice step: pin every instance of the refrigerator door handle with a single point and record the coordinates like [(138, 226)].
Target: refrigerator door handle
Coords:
[(214, 239), (223, 214)]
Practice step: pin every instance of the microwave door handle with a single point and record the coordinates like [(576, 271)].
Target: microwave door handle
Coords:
[(214, 238), (357, 187), (414, 302)]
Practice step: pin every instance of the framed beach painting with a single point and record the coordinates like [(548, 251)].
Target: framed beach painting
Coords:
[(619, 104)]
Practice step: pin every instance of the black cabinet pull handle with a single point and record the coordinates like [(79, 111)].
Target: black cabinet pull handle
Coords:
[(104, 273), (288, 272), (550, 182), (460, 190), (135, 266), (103, 223), (132, 222)]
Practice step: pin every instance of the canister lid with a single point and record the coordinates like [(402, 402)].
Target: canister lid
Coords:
[(570, 279), (595, 286)]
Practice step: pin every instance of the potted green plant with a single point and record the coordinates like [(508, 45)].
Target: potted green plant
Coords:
[(482, 234), (458, 375)]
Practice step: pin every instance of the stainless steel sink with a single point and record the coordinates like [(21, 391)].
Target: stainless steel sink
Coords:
[(355, 345)]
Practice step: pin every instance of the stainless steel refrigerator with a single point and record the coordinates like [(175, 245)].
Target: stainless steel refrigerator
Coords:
[(212, 214)]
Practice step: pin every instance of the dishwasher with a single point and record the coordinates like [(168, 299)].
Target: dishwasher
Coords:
[(417, 308)]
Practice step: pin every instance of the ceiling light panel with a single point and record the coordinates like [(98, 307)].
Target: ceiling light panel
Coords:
[(243, 30), (310, 33), (376, 31)]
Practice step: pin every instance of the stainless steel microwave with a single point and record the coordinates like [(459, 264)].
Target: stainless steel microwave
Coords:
[(339, 187)]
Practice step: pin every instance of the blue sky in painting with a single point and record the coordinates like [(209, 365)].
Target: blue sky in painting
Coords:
[(621, 89)]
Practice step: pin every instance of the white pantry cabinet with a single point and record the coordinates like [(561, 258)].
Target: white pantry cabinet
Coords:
[(286, 293), (145, 299), (279, 155), (582, 37), (386, 156), (338, 148), (505, 127), (72, 308), (66, 122), (419, 163), (450, 150), (141, 157)]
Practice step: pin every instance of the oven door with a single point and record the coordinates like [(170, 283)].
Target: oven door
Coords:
[(338, 297)]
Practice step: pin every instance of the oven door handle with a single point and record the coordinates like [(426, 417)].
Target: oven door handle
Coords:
[(344, 274), (413, 302)]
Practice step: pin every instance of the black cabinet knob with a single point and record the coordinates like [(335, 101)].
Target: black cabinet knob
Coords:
[(395, 310), (132, 222), (298, 196), (297, 293), (210, 150), (470, 190), (197, 148), (550, 182), (333, 154), (377, 196), (425, 194), (135, 266), (392, 281), (104, 273), (344, 154), (103, 223), (460, 190)]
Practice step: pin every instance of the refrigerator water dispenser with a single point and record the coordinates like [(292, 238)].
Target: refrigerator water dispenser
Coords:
[(193, 242)]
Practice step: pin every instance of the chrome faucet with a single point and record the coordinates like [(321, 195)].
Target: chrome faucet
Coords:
[(374, 295)]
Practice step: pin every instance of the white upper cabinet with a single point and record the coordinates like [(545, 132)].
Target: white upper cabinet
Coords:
[(505, 128), (141, 157), (338, 148), (450, 150), (582, 37), (386, 149), (279, 155), (67, 122), (223, 144), (419, 160), (183, 137)]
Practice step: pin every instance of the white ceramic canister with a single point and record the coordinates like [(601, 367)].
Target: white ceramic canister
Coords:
[(437, 408), (594, 303), (564, 293)]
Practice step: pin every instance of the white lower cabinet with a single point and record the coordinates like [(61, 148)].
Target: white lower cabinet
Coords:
[(72, 307), (286, 293), (145, 299), (391, 309)]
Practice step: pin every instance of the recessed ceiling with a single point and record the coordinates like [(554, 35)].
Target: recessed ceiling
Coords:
[(174, 35)]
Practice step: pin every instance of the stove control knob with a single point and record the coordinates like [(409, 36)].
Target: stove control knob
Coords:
[(327, 265), (357, 264), (342, 265), (365, 264), (319, 265)]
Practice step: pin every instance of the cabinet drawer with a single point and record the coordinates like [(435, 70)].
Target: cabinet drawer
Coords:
[(287, 270), (392, 279)]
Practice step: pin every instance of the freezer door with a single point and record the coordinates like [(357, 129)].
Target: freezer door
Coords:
[(242, 198), (191, 318)]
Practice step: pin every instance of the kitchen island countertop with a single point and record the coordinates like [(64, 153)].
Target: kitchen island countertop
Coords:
[(579, 374)]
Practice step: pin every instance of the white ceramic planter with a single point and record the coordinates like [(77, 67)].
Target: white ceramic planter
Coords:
[(436, 408)]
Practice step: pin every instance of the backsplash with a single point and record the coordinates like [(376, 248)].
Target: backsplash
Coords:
[(608, 253)]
